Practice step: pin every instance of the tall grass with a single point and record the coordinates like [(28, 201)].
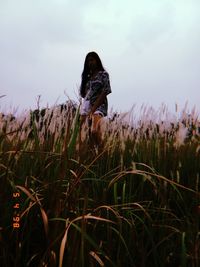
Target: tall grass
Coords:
[(135, 202)]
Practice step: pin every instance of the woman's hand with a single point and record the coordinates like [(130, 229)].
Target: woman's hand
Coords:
[(90, 115)]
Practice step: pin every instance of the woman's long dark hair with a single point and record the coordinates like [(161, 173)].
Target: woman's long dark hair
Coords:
[(86, 71)]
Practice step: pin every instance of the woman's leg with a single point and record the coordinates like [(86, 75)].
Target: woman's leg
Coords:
[(96, 129), (82, 132)]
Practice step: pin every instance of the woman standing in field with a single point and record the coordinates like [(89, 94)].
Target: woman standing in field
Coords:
[(95, 86)]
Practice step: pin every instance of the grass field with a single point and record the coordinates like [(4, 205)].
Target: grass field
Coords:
[(134, 201)]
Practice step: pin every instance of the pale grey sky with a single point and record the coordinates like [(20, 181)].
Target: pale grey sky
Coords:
[(149, 47)]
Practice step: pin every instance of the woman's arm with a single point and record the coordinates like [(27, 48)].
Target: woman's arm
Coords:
[(98, 102), (105, 91)]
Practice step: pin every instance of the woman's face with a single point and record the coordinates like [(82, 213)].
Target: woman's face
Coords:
[(92, 63)]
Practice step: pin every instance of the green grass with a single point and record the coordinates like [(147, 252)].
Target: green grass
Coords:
[(134, 203)]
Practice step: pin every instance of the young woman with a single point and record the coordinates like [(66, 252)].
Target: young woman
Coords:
[(95, 86)]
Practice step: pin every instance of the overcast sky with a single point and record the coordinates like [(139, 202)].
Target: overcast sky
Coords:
[(151, 49)]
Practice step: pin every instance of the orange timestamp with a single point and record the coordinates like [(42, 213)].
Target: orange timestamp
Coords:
[(16, 206)]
